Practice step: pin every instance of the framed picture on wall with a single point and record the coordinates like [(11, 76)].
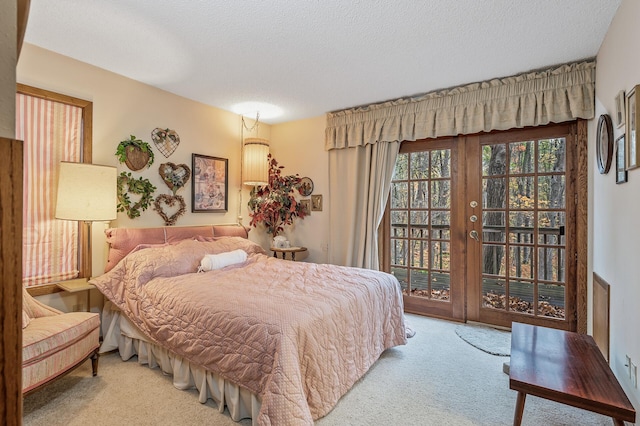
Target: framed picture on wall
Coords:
[(631, 152), (620, 109), (306, 206), (621, 172), (209, 185), (316, 203)]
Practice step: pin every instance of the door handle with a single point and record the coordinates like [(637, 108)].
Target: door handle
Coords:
[(474, 234)]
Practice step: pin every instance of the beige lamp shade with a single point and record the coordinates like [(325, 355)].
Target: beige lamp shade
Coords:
[(86, 192), (255, 165)]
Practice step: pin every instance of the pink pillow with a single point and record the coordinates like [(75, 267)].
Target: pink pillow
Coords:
[(179, 233), (123, 240), (230, 231)]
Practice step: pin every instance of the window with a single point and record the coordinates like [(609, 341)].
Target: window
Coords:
[(54, 128)]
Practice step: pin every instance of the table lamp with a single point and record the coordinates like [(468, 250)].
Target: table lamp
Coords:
[(87, 193)]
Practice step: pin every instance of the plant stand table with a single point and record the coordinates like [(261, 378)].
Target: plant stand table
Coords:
[(284, 251), (565, 367)]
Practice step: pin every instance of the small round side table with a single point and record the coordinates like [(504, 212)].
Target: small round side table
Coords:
[(284, 251)]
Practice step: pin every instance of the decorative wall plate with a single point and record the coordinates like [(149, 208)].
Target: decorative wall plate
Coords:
[(165, 140), (604, 143), (306, 186)]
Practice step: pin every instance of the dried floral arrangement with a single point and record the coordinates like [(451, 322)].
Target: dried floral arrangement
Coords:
[(274, 205)]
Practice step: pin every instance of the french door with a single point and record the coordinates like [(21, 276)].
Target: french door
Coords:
[(483, 227)]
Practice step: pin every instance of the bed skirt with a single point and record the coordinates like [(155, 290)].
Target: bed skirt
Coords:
[(119, 333)]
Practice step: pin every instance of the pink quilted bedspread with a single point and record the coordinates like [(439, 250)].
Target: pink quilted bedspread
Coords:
[(297, 334)]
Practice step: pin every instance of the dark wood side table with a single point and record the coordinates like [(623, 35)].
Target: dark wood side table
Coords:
[(565, 367), (284, 251)]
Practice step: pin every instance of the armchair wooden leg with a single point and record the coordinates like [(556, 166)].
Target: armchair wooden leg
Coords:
[(94, 362)]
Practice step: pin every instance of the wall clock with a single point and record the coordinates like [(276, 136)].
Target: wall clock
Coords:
[(604, 144)]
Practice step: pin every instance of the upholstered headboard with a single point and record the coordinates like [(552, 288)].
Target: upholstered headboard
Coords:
[(122, 240)]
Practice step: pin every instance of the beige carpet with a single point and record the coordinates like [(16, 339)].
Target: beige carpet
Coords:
[(436, 379)]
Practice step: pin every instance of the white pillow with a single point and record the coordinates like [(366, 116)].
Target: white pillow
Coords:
[(216, 261)]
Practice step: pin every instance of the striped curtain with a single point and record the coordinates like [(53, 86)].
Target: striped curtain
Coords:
[(52, 132)]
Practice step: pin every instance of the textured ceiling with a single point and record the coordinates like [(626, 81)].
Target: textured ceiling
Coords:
[(308, 57)]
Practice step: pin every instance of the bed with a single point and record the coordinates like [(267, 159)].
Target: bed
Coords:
[(272, 340)]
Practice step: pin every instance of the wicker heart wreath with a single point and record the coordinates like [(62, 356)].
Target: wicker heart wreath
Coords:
[(165, 140), (170, 201), (175, 176)]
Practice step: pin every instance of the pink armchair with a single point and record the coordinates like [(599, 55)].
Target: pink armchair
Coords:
[(54, 343)]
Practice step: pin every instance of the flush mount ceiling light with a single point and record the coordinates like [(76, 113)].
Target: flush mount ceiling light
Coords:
[(248, 109)]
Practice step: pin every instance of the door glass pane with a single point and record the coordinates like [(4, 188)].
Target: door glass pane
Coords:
[(420, 217), (440, 194), (440, 163), (399, 195), (420, 230), (551, 191), (419, 253), (401, 275), (440, 228), (419, 165), (521, 227), (551, 264), (420, 283), (398, 252), (493, 227), (494, 193), (440, 255), (440, 285), (551, 300), (521, 192), (521, 297), (521, 157), (494, 160), (552, 155), (401, 167), (399, 224), (493, 260), (419, 194), (520, 262), (494, 293), (551, 228)]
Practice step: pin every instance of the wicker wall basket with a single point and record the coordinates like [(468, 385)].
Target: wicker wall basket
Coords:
[(137, 159)]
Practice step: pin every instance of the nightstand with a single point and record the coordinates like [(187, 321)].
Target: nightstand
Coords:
[(74, 286), (284, 251)]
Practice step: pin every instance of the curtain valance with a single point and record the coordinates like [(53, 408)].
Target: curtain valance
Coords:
[(555, 95)]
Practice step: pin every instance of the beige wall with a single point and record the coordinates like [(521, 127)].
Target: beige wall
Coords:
[(8, 28), (122, 107), (616, 208), (299, 147)]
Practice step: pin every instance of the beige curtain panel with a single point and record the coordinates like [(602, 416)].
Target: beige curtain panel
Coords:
[(555, 95), (359, 181)]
